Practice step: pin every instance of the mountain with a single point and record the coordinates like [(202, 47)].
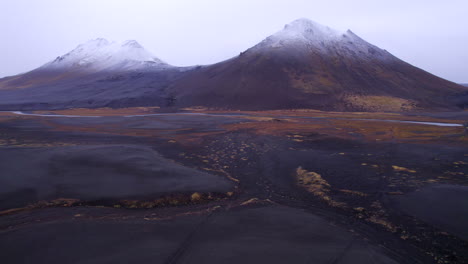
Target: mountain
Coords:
[(97, 73), (305, 65), (308, 65), (102, 55), (94, 56)]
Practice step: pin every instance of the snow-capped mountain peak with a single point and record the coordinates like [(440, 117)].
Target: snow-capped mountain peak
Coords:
[(308, 27), (304, 36), (305, 30), (101, 54), (132, 44)]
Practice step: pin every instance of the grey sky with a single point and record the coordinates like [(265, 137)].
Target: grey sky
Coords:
[(430, 34)]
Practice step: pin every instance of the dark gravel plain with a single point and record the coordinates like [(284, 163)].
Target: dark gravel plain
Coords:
[(230, 189)]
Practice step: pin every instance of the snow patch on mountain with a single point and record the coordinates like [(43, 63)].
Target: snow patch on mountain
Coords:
[(307, 30), (304, 35), (101, 54)]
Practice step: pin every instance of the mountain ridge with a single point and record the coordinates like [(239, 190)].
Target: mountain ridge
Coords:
[(304, 65)]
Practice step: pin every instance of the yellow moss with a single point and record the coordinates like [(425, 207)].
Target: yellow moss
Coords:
[(255, 200), (315, 184), (250, 201), (383, 222), (311, 181), (379, 103), (196, 196), (402, 169), (259, 118), (359, 209), (354, 192)]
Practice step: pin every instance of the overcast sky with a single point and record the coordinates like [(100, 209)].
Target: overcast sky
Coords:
[(430, 34)]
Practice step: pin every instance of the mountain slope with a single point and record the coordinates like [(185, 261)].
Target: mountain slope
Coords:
[(97, 73), (307, 65)]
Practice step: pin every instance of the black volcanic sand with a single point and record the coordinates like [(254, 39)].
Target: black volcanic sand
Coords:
[(444, 206), (270, 234), (89, 173), (358, 207), (275, 234)]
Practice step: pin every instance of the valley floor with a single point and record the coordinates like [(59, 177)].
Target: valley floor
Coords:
[(138, 185)]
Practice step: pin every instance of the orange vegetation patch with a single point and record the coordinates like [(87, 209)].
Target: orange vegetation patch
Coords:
[(103, 111), (333, 114), (355, 129)]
